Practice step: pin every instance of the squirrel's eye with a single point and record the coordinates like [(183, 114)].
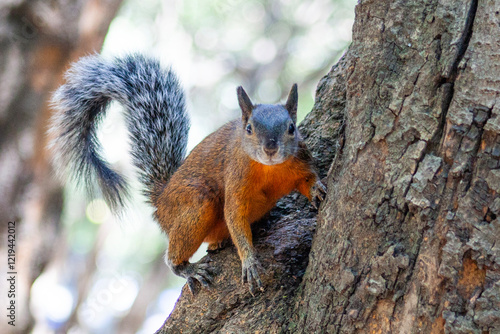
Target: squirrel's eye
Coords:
[(249, 129), (291, 129)]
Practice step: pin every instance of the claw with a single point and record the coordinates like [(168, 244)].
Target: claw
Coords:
[(203, 281), (191, 285), (318, 193)]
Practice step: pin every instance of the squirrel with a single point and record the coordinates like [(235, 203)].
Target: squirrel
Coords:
[(229, 180)]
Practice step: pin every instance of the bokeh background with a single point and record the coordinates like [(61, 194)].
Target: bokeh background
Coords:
[(107, 275)]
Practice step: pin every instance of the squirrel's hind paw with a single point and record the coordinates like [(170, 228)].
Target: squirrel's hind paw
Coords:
[(201, 272), (217, 246)]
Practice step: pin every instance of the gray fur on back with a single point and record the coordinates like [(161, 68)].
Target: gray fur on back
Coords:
[(156, 118)]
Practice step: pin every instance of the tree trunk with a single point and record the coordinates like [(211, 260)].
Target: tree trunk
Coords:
[(38, 39), (407, 238)]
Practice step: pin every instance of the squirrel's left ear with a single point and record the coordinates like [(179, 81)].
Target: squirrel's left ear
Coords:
[(245, 104), (291, 103)]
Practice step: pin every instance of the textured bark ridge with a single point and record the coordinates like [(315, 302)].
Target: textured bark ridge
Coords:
[(407, 240), (410, 219)]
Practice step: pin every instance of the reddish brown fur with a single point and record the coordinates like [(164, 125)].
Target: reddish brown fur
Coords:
[(219, 191)]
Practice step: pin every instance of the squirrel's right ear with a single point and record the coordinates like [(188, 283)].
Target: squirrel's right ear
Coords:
[(291, 102), (245, 103)]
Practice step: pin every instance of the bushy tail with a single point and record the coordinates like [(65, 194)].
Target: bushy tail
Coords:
[(156, 119)]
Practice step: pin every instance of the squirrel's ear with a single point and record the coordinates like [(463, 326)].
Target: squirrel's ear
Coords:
[(245, 103), (291, 102)]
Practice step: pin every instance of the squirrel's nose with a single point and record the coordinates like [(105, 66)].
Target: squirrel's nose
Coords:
[(271, 147)]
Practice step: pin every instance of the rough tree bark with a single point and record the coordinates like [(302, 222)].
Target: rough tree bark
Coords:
[(407, 239), (38, 40)]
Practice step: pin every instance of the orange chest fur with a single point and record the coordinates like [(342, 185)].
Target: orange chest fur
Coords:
[(270, 183)]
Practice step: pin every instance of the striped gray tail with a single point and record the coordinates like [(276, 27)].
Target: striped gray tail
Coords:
[(156, 118)]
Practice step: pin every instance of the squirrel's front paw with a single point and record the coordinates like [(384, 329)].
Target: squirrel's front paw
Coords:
[(250, 268), (318, 193)]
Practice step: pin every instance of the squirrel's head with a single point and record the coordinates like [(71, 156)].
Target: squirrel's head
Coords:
[(270, 133)]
